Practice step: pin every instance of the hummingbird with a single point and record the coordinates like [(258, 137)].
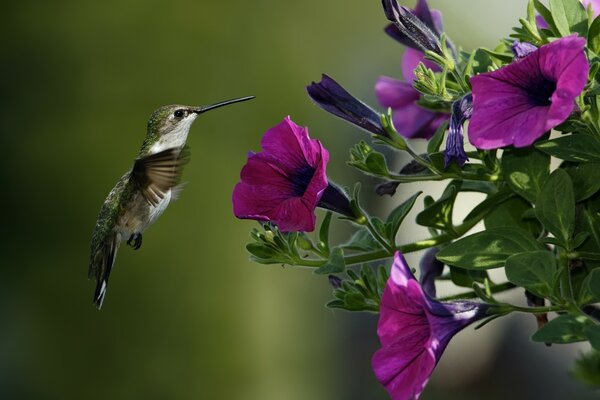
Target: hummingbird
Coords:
[(144, 192)]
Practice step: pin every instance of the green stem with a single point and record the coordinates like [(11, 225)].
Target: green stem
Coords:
[(405, 249), (460, 80), (536, 310), (565, 277), (442, 176), (472, 295)]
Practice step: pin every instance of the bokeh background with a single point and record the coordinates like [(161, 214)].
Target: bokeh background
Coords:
[(188, 316)]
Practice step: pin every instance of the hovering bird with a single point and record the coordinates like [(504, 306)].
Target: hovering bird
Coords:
[(145, 191)]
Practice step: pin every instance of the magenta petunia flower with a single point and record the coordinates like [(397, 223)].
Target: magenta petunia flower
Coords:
[(414, 331), (517, 104), (410, 119), (285, 181)]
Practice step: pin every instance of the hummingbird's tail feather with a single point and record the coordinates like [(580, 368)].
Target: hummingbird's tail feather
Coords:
[(102, 264)]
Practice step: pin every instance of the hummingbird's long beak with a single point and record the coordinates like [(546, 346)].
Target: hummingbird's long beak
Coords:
[(203, 109)]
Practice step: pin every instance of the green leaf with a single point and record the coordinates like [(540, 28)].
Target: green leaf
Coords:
[(590, 288), (525, 171), (376, 164), (488, 249), (334, 265), (593, 335), (260, 251), (574, 147), (555, 206), (594, 36), (489, 204), (324, 232), (563, 329), (506, 58), (590, 222), (439, 214), (433, 146), (362, 241), (586, 179), (394, 220), (466, 277), (546, 14), (587, 368), (533, 270), (569, 17), (511, 213)]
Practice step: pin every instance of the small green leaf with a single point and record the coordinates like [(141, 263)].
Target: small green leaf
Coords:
[(565, 328), (394, 220), (533, 270), (439, 214), (593, 335), (433, 146), (569, 17), (586, 179), (376, 164), (590, 222), (574, 147), (488, 249), (334, 265), (362, 241), (511, 213), (525, 171), (555, 206), (587, 368), (590, 288), (260, 251), (324, 232), (546, 14), (466, 277), (594, 36)]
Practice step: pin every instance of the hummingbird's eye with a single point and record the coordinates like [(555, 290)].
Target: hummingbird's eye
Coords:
[(178, 113)]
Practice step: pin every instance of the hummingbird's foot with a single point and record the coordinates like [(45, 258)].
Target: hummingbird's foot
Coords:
[(135, 241)]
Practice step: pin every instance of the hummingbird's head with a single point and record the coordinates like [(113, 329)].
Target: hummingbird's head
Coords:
[(169, 125)]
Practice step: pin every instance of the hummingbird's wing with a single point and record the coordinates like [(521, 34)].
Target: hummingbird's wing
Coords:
[(156, 174)]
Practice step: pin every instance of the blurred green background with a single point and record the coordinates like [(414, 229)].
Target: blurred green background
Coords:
[(188, 316)]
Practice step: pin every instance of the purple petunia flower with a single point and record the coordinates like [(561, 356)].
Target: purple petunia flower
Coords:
[(285, 181), (517, 104), (414, 331), (410, 119)]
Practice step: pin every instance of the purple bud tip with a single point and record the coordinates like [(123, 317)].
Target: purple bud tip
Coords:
[(462, 110), (522, 49)]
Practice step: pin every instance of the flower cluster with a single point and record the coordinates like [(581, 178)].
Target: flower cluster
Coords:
[(541, 221)]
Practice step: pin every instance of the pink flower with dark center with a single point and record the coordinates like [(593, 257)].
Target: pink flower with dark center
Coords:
[(285, 181), (414, 331), (517, 104)]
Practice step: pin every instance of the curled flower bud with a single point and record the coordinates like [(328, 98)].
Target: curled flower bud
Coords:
[(455, 147), (411, 27), (332, 97)]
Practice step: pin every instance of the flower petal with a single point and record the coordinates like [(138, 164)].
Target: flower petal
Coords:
[(518, 103)]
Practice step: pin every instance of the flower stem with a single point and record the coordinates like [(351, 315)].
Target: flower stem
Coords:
[(472, 295)]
